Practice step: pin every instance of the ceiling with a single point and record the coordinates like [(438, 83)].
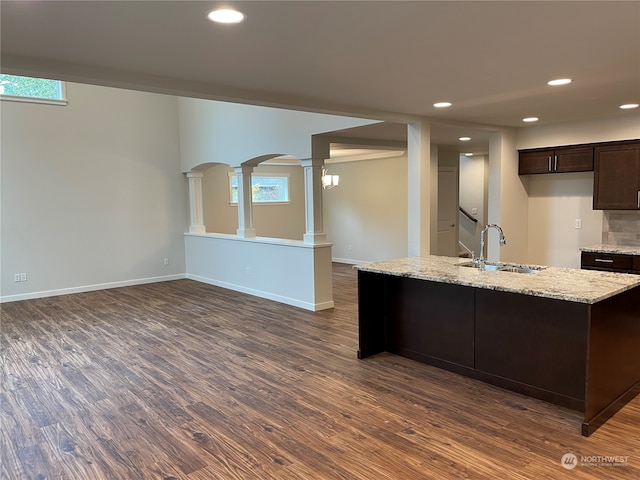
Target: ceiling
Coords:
[(387, 60)]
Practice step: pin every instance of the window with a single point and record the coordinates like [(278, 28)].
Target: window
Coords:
[(265, 188), (29, 89)]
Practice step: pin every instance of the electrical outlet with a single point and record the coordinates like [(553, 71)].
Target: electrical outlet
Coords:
[(350, 247), (16, 277), (166, 262), (23, 277), (474, 211), (578, 223)]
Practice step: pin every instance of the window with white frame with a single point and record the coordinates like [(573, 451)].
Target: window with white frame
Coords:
[(265, 188), (30, 89)]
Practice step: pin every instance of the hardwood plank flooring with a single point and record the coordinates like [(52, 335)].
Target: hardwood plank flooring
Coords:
[(182, 380)]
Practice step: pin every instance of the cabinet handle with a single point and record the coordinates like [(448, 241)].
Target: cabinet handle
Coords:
[(555, 163), (603, 260), (638, 198), (549, 162)]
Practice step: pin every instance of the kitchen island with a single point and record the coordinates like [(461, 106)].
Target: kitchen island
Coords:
[(569, 337)]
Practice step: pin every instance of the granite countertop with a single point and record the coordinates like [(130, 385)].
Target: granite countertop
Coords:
[(572, 285), (621, 249)]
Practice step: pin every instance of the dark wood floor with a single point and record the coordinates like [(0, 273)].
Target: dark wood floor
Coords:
[(181, 380)]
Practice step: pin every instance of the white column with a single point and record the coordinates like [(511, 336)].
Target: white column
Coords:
[(245, 202), (422, 184), (508, 203), (313, 201), (196, 212)]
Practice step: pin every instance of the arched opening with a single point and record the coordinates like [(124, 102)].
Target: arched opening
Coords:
[(278, 197)]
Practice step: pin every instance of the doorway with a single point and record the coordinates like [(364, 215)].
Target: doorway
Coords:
[(447, 211)]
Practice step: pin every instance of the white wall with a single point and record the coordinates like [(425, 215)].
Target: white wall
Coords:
[(232, 133), (92, 192), (554, 206), (507, 200), (557, 200), (365, 217), (422, 190), (472, 195), (625, 126), (218, 132), (290, 272), (93, 195)]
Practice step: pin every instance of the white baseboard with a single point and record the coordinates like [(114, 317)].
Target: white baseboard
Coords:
[(314, 307), (90, 288), (348, 261)]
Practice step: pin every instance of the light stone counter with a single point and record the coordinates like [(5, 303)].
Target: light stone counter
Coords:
[(572, 285), (620, 249)]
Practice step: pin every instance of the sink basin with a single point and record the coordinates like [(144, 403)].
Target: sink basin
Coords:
[(504, 267), (509, 268)]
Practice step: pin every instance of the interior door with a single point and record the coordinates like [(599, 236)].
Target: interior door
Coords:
[(448, 211)]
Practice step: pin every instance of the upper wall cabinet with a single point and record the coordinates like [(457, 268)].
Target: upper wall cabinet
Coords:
[(617, 177), (555, 160)]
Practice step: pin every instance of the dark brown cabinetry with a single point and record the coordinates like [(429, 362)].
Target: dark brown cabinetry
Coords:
[(434, 324), (617, 177), (555, 160), (611, 262), (428, 326), (523, 341), (581, 356)]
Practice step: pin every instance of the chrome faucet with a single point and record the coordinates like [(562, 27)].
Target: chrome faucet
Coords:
[(503, 241)]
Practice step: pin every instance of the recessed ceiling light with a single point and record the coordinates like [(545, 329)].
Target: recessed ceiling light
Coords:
[(226, 15), (464, 139), (530, 119), (559, 81), (442, 104), (628, 106), (468, 154)]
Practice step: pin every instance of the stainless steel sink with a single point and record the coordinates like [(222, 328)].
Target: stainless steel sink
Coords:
[(504, 267), (510, 268)]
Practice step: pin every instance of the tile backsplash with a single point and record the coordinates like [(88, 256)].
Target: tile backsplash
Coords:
[(620, 227)]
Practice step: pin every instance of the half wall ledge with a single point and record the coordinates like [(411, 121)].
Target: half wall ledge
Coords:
[(287, 271)]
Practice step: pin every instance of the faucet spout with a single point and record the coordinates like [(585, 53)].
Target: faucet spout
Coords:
[(503, 241)]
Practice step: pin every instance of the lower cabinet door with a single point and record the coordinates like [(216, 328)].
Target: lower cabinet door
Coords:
[(430, 321), (539, 342)]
